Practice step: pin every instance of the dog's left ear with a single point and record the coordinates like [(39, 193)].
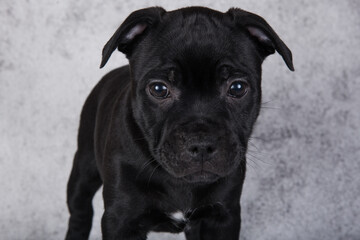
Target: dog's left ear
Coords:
[(266, 37), (131, 31)]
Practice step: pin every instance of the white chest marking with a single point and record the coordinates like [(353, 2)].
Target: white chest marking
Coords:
[(178, 215)]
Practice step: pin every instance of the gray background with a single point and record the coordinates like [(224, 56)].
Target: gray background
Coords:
[(303, 175)]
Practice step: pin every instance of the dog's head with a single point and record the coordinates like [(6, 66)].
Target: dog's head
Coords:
[(196, 77)]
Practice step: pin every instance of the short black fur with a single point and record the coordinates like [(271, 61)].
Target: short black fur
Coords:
[(183, 152)]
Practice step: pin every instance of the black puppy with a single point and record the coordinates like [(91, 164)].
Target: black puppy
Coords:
[(169, 132)]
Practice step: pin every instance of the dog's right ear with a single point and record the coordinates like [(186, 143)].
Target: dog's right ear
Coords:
[(260, 30), (131, 31)]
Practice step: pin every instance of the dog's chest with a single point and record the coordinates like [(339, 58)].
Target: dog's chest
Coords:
[(178, 216)]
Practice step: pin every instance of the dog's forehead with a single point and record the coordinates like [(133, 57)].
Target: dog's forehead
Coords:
[(200, 20), (197, 39), (199, 31)]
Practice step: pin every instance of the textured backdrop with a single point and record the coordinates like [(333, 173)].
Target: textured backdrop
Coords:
[(304, 162)]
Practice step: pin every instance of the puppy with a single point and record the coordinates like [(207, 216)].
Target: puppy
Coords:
[(169, 132)]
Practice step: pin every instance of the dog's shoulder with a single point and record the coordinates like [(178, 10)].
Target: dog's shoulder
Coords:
[(112, 84), (116, 78), (105, 93)]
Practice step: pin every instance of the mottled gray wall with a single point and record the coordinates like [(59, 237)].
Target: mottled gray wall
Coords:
[(304, 168)]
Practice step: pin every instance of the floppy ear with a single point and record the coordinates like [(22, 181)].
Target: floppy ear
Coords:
[(132, 30), (261, 31)]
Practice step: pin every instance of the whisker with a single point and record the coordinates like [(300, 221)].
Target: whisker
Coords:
[(152, 175), (251, 166), (256, 164), (252, 144), (269, 101), (256, 153), (145, 165), (264, 107), (138, 139), (259, 138)]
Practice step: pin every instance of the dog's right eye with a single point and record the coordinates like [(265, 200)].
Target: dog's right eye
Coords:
[(237, 89), (159, 90)]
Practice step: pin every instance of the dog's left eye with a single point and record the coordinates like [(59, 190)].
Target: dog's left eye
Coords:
[(237, 89), (159, 90)]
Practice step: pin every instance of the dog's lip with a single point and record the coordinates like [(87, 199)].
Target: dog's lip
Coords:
[(201, 173), (201, 176)]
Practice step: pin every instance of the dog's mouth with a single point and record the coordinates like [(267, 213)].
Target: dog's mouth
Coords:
[(182, 165), (201, 177), (198, 157)]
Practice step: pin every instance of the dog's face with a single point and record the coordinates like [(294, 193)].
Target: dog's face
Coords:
[(197, 95), (196, 87)]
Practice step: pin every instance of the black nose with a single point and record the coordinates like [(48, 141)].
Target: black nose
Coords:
[(204, 150)]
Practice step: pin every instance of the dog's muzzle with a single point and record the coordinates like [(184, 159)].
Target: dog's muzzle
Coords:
[(199, 152)]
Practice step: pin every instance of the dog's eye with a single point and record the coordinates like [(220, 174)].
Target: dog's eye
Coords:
[(159, 90), (237, 89)]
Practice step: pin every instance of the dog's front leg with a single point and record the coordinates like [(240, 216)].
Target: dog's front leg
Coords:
[(130, 227), (120, 220), (120, 225), (214, 222)]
